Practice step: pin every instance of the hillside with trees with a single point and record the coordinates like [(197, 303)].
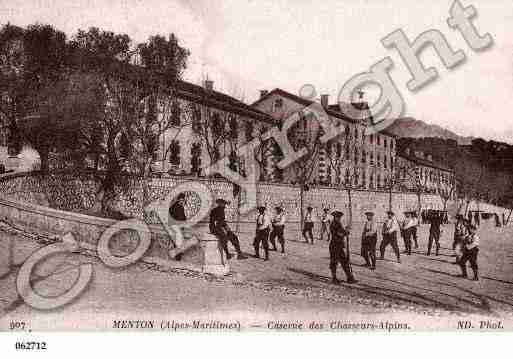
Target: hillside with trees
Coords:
[(483, 169), (413, 128)]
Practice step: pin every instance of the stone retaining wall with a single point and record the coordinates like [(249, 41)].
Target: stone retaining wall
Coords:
[(24, 203), (65, 193)]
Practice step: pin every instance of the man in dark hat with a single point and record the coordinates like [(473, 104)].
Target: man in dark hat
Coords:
[(278, 229), (337, 248), (325, 224), (222, 231), (389, 233), (369, 239), (177, 209), (263, 228), (308, 225)]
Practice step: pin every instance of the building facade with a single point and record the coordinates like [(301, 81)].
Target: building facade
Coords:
[(419, 173), (352, 158), (208, 126)]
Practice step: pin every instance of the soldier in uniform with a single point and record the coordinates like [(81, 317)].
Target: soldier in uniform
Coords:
[(369, 239), (337, 248), (389, 232), (414, 235), (460, 232), (222, 231), (435, 220), (263, 228), (278, 223), (325, 224), (470, 252), (407, 232), (308, 226)]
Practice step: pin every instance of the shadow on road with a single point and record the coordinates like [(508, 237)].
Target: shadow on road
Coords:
[(398, 296)]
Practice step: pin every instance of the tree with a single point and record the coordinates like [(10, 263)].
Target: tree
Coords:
[(165, 61), (418, 178), (212, 126), (446, 189), (394, 178), (49, 127), (106, 56), (45, 73), (469, 175), (343, 159), (265, 153), (12, 80), (139, 88), (32, 62), (306, 134)]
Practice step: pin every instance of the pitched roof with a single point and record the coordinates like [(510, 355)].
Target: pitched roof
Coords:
[(199, 94), (221, 101), (350, 113), (301, 101)]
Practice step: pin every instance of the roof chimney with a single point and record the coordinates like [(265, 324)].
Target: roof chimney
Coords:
[(209, 85), (324, 100), (263, 93)]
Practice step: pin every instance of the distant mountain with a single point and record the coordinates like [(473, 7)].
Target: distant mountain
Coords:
[(410, 127)]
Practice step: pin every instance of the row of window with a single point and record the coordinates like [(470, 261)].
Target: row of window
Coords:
[(433, 175), (386, 161), (374, 138), (377, 182)]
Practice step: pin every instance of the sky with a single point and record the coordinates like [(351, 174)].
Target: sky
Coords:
[(247, 45)]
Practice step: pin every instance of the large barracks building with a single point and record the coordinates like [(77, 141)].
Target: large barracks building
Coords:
[(213, 125)]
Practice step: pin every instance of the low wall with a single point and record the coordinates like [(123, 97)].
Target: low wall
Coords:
[(28, 209), (66, 199)]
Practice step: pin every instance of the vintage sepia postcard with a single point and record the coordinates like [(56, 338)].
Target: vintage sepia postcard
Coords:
[(239, 166)]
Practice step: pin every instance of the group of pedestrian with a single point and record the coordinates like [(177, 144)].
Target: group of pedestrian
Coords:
[(267, 231), (271, 229)]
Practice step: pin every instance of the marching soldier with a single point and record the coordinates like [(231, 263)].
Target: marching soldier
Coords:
[(470, 252), (308, 226), (435, 220), (389, 232), (263, 228), (325, 224), (407, 232), (369, 240), (460, 232), (337, 248), (222, 231), (278, 229)]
